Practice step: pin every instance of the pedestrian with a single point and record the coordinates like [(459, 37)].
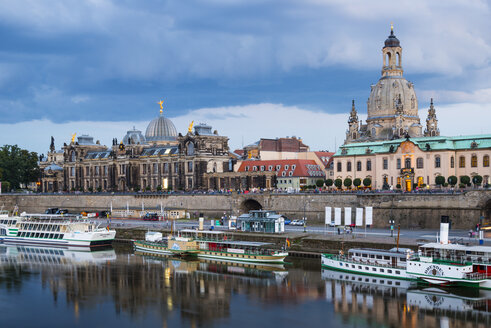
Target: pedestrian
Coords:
[(339, 231), (392, 230)]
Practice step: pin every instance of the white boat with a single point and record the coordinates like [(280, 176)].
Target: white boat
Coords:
[(374, 262), (54, 230), (450, 264), (155, 243), (220, 246)]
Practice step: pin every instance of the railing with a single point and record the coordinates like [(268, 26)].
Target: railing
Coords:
[(345, 259), (475, 276)]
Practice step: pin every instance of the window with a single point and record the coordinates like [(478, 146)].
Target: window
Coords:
[(278, 167), (105, 170), (247, 168), (254, 168), (293, 167), (97, 170), (398, 163), (461, 161), (262, 168), (452, 162), (286, 167), (144, 169), (176, 168), (72, 171), (87, 170), (485, 161), (270, 168), (155, 168), (386, 164), (339, 167), (190, 166), (166, 168), (474, 161), (348, 166), (358, 166), (72, 156), (190, 149), (290, 173), (437, 161), (407, 163), (419, 163), (369, 165)]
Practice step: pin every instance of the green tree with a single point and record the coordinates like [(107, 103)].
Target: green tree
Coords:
[(18, 166), (439, 180), (348, 182), (465, 179), (452, 180), (477, 180), (329, 182), (338, 183), (367, 182), (159, 188), (357, 182), (319, 183), (398, 186), (5, 186)]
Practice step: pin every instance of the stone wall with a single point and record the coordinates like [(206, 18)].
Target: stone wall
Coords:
[(410, 210)]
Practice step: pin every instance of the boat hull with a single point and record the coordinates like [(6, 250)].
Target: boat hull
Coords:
[(93, 239), (155, 248), (239, 257)]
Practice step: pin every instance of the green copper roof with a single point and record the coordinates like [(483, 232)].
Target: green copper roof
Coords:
[(482, 141)]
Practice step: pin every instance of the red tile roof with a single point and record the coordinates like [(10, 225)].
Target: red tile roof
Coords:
[(301, 167)]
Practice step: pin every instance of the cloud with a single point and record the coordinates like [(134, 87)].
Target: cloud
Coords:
[(319, 130)]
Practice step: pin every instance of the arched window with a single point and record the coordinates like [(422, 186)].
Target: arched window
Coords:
[(407, 163), (420, 181), (461, 161), (485, 161), (348, 166), (358, 166), (452, 162), (373, 132), (419, 163), (190, 149), (401, 132), (437, 161), (72, 156), (398, 59), (354, 135), (474, 161), (387, 63), (369, 165)]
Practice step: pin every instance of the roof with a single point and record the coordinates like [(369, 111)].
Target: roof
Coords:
[(97, 154), (434, 143), (284, 167), (160, 151), (53, 167), (458, 247), (324, 156)]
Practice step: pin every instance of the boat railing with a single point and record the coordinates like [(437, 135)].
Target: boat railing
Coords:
[(345, 259), (460, 260), (475, 276)]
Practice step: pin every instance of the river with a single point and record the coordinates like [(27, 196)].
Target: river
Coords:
[(48, 287)]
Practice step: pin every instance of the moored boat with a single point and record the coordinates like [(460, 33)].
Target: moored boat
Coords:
[(54, 230), (171, 245), (374, 262), (220, 246)]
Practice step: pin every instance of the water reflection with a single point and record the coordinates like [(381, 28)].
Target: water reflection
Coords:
[(402, 303), (123, 288)]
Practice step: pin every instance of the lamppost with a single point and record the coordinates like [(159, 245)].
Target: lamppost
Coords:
[(304, 216)]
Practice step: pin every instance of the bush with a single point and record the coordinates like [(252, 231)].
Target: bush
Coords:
[(329, 182), (398, 186), (477, 180), (461, 185), (319, 183), (439, 180), (357, 182), (465, 179), (90, 189), (445, 184), (159, 188), (99, 189), (338, 183), (452, 180), (147, 188), (5, 186), (348, 182), (367, 182)]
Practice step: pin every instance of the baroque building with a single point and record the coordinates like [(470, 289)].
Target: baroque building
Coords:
[(163, 159), (392, 108)]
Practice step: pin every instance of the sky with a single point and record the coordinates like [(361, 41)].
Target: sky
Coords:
[(249, 68)]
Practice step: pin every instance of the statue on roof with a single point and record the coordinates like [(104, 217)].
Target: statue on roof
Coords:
[(73, 137), (190, 128), (161, 103), (52, 145)]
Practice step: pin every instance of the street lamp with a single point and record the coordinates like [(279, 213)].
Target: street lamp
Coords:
[(304, 216)]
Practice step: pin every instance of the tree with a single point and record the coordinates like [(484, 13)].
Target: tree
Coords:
[(439, 180), (357, 182), (338, 183), (477, 180), (367, 182), (18, 166), (348, 182), (465, 179), (398, 186), (319, 183), (329, 182), (452, 180)]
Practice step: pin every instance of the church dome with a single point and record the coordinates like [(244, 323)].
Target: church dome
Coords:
[(392, 41), (134, 137), (161, 129), (385, 95)]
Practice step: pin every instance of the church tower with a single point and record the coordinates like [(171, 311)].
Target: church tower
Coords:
[(353, 125), (431, 122), (392, 53)]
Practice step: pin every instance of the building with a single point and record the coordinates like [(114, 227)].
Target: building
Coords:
[(392, 107), (261, 221), (290, 174), (162, 159), (279, 148), (414, 161)]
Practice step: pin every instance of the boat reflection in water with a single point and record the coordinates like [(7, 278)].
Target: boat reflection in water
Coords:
[(402, 303)]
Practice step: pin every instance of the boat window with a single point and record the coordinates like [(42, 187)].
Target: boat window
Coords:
[(372, 256), (402, 259), (382, 270), (389, 271), (379, 257), (359, 267), (36, 235), (51, 235), (382, 281), (389, 282), (352, 266), (364, 255), (374, 269), (398, 272), (367, 268), (357, 254), (398, 283), (386, 257)]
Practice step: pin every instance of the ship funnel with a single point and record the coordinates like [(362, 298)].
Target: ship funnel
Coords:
[(444, 226)]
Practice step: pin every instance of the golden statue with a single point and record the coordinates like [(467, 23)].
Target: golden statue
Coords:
[(190, 128), (73, 137), (161, 103), (391, 26)]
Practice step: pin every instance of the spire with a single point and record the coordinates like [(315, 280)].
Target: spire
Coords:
[(353, 115), (431, 122)]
